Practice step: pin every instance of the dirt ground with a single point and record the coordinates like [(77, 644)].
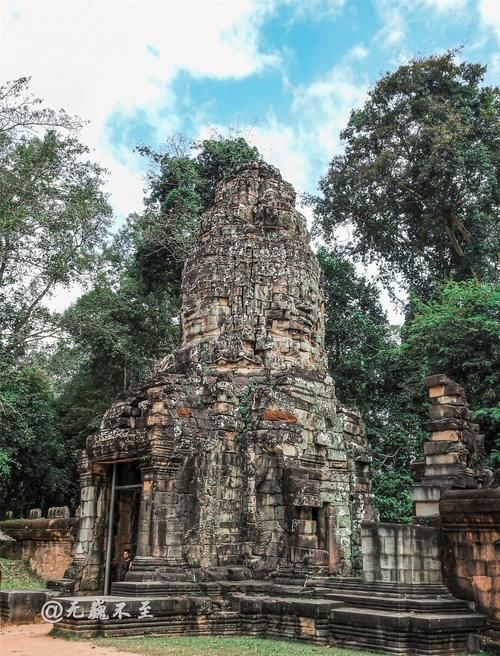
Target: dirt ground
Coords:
[(34, 640)]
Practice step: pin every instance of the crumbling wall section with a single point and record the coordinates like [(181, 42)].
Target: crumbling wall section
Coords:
[(455, 452), (47, 543), (471, 547)]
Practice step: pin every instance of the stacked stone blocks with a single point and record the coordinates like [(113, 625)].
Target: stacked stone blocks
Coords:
[(454, 453)]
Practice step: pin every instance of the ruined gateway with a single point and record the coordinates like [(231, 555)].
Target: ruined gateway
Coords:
[(236, 453)]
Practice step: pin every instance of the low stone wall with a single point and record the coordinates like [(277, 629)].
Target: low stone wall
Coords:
[(400, 553), (23, 606), (471, 547), (47, 543)]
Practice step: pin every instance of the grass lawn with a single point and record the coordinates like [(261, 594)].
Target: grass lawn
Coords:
[(230, 646), (17, 574)]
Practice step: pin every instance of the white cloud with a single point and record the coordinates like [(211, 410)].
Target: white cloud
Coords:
[(358, 52), (324, 107), (111, 58), (443, 6), (489, 12), (314, 9), (393, 29), (94, 58), (397, 16)]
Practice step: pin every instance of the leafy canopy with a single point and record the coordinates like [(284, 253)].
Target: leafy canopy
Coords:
[(182, 184), (418, 180), (457, 332), (36, 467), (356, 330), (53, 215)]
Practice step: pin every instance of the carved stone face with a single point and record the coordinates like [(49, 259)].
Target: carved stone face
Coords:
[(295, 325), (251, 289)]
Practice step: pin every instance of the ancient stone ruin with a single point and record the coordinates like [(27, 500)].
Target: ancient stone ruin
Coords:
[(454, 454), (242, 454), (243, 486)]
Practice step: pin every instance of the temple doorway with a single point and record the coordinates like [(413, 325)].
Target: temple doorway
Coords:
[(310, 542), (125, 522)]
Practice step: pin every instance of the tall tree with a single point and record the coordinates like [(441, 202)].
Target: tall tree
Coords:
[(53, 215), (419, 176), (53, 221), (356, 330), (36, 466)]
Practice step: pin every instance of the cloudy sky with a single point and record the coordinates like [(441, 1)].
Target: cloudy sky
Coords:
[(285, 72)]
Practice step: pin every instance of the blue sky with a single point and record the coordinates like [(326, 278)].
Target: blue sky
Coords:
[(286, 73)]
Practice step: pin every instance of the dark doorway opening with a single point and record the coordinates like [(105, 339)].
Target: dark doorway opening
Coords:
[(126, 515)]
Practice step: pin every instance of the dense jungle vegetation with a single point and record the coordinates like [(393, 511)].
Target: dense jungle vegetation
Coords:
[(418, 184)]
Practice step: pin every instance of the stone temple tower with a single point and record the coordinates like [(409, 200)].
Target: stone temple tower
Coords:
[(236, 452)]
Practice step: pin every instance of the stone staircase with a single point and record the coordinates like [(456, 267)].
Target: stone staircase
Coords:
[(398, 618), (420, 619)]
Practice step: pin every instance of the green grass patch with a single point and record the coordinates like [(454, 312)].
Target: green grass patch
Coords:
[(17, 574), (224, 646)]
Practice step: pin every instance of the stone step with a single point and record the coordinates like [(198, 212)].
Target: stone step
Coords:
[(294, 606), (160, 588), (378, 587), (398, 604), (421, 634), (22, 606)]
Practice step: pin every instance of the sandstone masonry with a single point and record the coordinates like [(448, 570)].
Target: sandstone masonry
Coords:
[(243, 454)]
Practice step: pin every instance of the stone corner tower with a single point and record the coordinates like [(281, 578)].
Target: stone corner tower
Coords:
[(236, 453)]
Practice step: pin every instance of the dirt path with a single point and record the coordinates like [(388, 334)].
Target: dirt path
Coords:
[(34, 640)]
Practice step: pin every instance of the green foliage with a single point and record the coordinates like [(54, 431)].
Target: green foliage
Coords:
[(457, 333), (35, 465), (182, 185), (419, 177), (356, 330), (365, 362), (188, 172), (117, 333), (219, 158), (393, 495), (53, 216), (17, 575)]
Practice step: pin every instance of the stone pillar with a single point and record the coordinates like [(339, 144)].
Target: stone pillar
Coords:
[(331, 543), (145, 562), (144, 536), (161, 501), (454, 453), (86, 568)]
